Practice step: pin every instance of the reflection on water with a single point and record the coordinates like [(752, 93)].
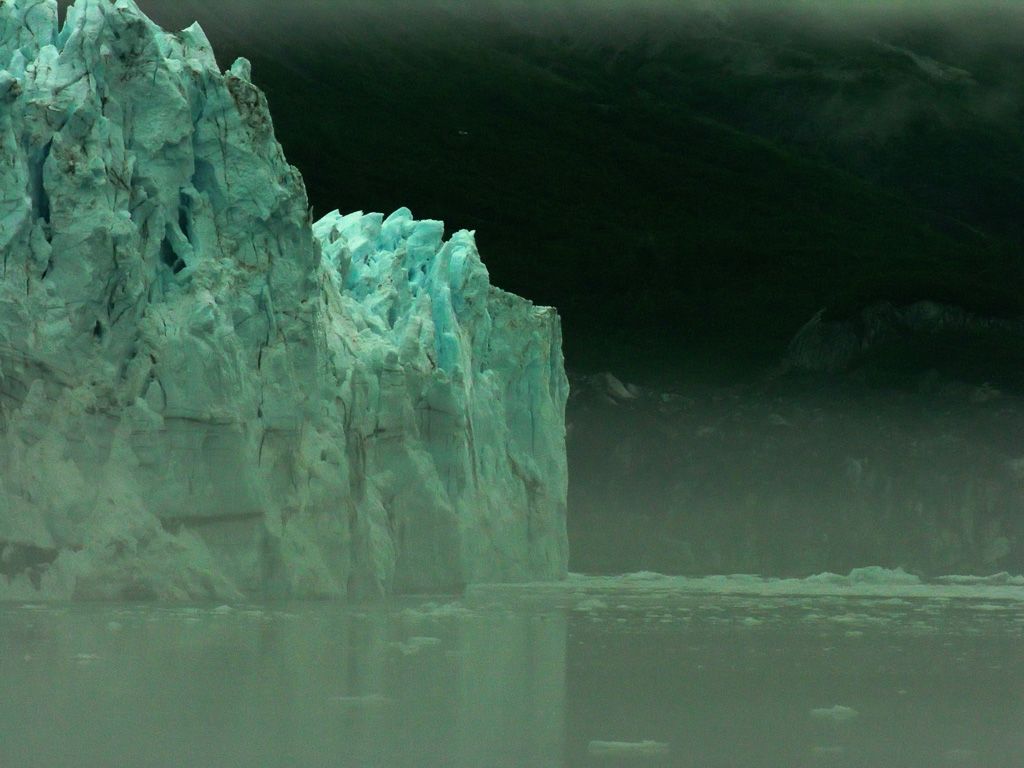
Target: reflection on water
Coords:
[(596, 672), (305, 685)]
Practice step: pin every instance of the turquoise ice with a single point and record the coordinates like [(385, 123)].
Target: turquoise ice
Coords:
[(206, 394)]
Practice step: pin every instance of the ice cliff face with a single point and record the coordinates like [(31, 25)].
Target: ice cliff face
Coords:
[(206, 394)]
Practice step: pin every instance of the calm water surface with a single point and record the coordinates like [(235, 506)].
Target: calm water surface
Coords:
[(596, 672)]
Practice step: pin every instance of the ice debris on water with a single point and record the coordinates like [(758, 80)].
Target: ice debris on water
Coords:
[(435, 611), (873, 581), (627, 749), (591, 604), (837, 713), (414, 645)]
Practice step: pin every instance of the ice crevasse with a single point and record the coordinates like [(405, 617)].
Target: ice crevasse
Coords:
[(204, 393)]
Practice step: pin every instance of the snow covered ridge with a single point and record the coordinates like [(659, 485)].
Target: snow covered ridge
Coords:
[(205, 394)]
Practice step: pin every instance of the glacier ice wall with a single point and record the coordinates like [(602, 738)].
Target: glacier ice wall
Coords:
[(205, 394)]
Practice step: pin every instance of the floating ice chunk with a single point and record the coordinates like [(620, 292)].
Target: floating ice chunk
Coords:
[(616, 389), (867, 582), (414, 645), (591, 604), (644, 576), (875, 574), (997, 579), (627, 749), (837, 714), (435, 611), (870, 575)]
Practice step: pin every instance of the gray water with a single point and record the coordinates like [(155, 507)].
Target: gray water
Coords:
[(595, 672)]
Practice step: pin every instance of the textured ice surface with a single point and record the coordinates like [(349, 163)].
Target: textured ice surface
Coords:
[(202, 392)]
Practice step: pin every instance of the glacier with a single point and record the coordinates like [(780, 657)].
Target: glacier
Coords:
[(204, 394)]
